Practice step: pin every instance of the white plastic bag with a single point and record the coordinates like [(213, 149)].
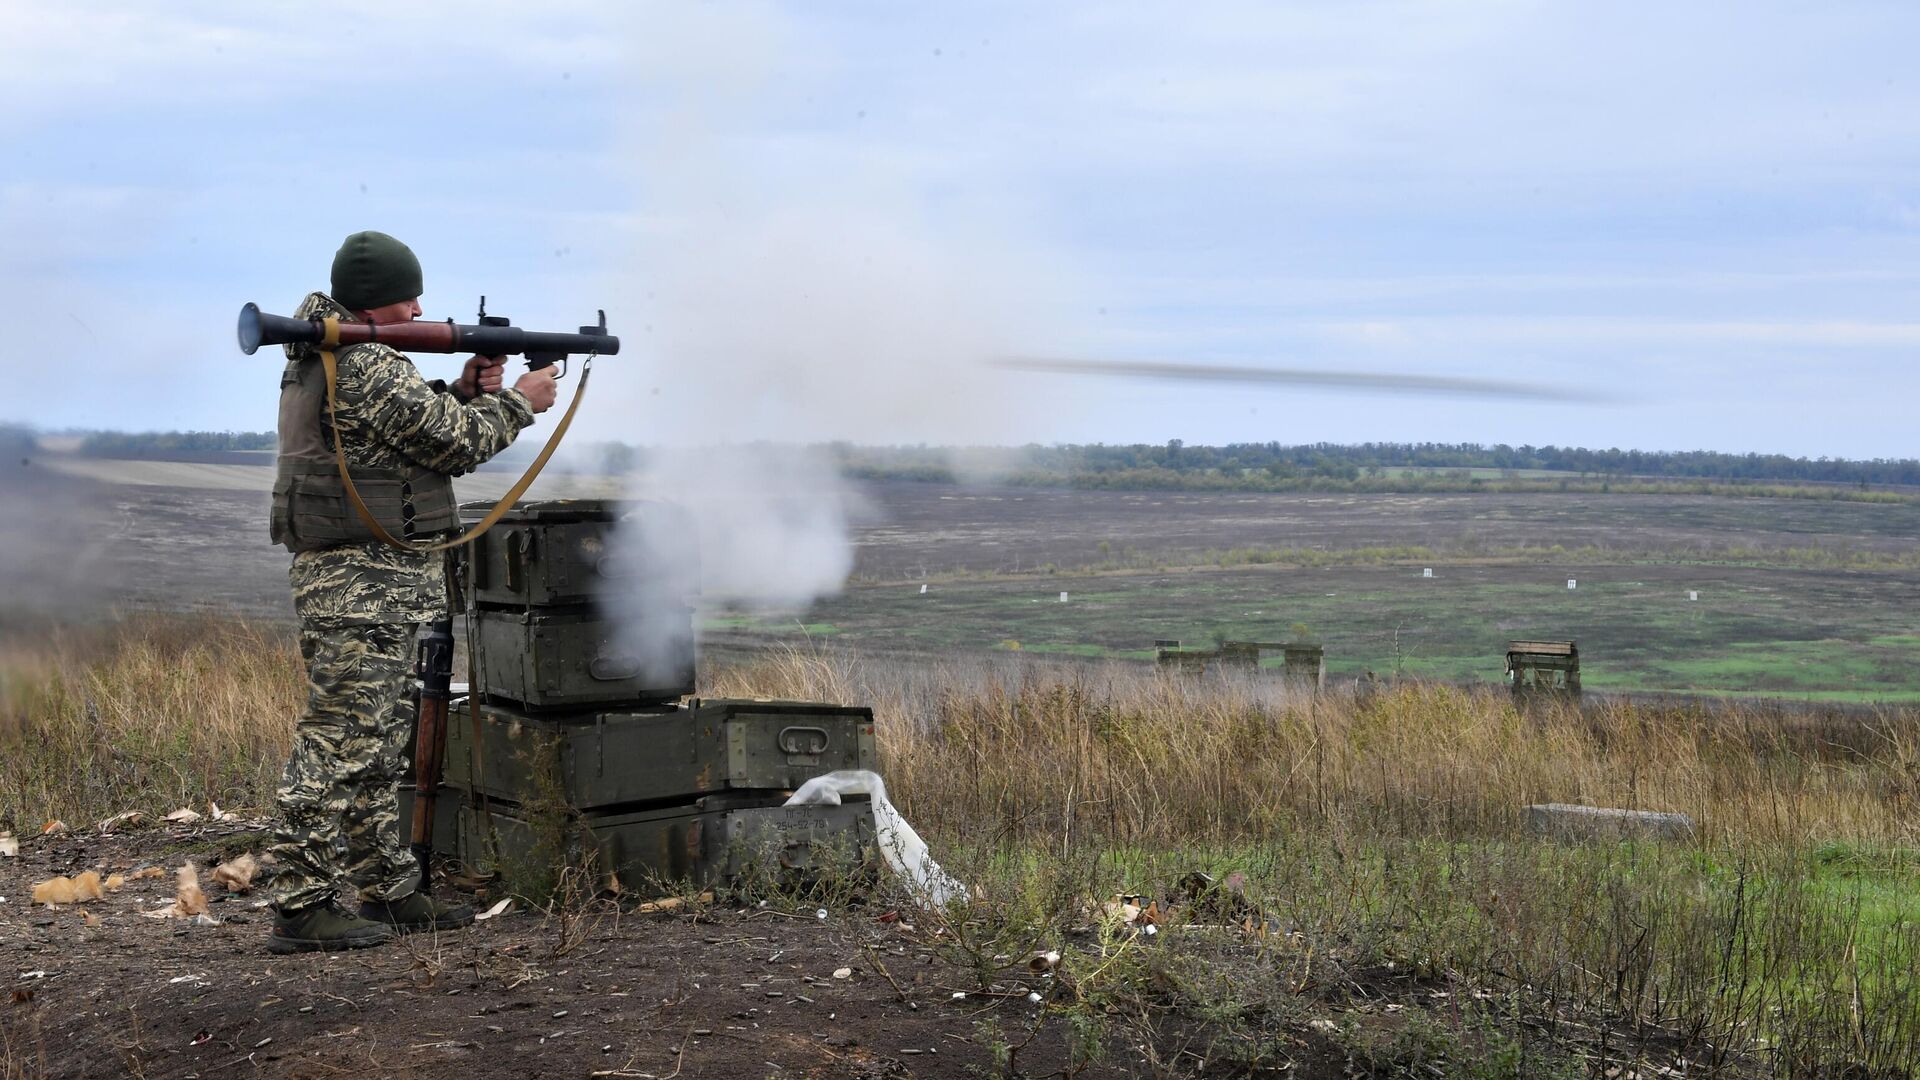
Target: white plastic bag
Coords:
[(905, 853)]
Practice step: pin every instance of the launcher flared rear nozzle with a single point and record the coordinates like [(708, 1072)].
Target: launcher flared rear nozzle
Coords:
[(257, 328)]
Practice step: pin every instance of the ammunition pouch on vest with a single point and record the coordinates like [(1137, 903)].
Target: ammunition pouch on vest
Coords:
[(310, 505)]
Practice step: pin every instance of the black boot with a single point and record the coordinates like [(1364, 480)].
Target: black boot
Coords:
[(417, 911), (323, 928)]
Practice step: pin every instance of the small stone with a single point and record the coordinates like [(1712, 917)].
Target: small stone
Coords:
[(559, 1014), (843, 973), (1034, 998)]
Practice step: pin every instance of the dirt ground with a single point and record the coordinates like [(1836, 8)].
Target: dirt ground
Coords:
[(99, 989), (727, 989), (726, 992)]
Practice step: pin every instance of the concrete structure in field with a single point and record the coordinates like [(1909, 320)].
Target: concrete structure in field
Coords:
[(1304, 665), (1544, 668), (1565, 821)]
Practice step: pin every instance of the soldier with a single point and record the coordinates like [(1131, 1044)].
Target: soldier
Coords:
[(360, 601)]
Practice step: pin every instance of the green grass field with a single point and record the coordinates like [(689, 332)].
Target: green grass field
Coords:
[(1818, 635)]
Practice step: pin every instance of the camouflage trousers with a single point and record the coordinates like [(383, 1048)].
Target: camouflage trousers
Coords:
[(339, 819)]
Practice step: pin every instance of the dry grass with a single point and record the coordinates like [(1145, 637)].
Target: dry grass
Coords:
[(1374, 831), (1386, 831), (1137, 757), (155, 713), (150, 713)]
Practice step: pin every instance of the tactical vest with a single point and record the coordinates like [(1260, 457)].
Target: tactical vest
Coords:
[(310, 505)]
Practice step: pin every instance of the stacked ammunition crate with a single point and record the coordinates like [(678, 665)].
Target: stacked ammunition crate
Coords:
[(579, 743)]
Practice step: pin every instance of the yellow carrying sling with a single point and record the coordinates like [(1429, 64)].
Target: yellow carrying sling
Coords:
[(499, 509)]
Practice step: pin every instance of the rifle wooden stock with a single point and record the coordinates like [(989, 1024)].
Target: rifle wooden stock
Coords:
[(435, 669)]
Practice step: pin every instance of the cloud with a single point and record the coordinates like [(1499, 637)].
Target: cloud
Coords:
[(1500, 91), (1818, 334), (805, 219), (79, 59), (809, 288)]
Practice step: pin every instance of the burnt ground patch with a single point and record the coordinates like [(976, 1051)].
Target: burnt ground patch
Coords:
[(914, 530), (85, 544)]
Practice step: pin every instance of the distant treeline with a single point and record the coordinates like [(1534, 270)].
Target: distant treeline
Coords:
[(152, 444), (1269, 466), (1367, 466)]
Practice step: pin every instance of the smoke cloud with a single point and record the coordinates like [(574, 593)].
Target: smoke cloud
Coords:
[(734, 525), (825, 288)]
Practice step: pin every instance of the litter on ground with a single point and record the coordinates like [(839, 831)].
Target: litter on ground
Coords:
[(900, 847)]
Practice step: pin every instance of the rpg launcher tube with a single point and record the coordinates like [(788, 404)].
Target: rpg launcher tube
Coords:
[(258, 328)]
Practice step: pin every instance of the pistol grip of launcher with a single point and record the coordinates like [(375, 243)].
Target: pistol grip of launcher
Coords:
[(536, 361)]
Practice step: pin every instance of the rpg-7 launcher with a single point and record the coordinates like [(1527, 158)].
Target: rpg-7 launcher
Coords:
[(494, 336)]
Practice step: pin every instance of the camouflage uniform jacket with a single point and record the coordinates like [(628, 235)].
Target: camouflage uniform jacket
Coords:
[(390, 416)]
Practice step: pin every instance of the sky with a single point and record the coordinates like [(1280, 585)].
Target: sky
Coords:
[(821, 221)]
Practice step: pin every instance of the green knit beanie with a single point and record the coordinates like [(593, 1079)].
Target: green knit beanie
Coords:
[(372, 270)]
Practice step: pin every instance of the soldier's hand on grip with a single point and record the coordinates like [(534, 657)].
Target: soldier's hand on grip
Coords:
[(539, 388), (482, 375)]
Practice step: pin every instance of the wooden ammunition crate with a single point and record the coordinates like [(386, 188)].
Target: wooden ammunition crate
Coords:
[(564, 552), (708, 841), (654, 756), (573, 660)]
